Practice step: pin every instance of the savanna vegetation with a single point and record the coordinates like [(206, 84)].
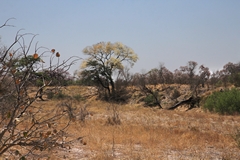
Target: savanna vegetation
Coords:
[(104, 111)]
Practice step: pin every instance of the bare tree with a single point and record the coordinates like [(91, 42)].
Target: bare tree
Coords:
[(179, 77), (232, 73), (190, 71), (165, 76), (124, 77), (204, 75), (27, 129), (214, 79), (142, 83), (152, 77)]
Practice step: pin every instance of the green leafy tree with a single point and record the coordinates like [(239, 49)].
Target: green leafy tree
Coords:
[(103, 60)]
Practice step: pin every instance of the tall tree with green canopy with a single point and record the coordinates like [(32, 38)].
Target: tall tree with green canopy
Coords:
[(103, 60)]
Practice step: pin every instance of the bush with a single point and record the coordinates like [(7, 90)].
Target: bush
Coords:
[(150, 100), (175, 94), (114, 119), (78, 97), (224, 102), (236, 137), (19, 72), (50, 95), (60, 95), (39, 82)]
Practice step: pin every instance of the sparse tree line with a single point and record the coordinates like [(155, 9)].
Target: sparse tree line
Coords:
[(99, 71), (107, 69), (192, 75)]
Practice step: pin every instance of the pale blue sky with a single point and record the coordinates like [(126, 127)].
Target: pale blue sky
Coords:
[(172, 32)]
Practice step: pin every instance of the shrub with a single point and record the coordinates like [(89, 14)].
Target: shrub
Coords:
[(60, 95), (236, 137), (50, 95), (39, 83), (224, 102), (150, 100), (18, 73), (83, 113), (114, 119), (78, 97), (175, 94)]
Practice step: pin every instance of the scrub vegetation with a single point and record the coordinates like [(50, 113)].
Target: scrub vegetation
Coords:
[(105, 112)]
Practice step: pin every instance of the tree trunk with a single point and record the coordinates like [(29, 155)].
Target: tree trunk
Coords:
[(191, 101), (112, 87), (147, 90)]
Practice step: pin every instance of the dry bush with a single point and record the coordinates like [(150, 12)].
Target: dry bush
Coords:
[(114, 118), (83, 113), (28, 129), (175, 94)]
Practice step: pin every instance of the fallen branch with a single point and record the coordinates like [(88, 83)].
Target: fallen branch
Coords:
[(187, 101)]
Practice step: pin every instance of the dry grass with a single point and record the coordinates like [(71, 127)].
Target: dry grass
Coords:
[(147, 133)]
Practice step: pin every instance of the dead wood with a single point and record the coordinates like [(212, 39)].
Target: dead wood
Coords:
[(147, 90), (191, 100)]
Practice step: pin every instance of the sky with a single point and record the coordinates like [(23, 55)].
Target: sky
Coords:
[(169, 32)]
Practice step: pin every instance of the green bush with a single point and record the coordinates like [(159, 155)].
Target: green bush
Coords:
[(224, 102), (78, 97), (59, 95), (39, 83), (50, 95), (149, 100)]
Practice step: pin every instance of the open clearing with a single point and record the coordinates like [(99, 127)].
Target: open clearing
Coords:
[(149, 133), (146, 133)]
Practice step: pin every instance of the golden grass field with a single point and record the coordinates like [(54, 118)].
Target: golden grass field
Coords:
[(146, 133), (149, 133)]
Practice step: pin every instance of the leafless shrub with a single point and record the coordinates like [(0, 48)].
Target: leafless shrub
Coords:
[(114, 118), (83, 113), (67, 106), (26, 128)]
